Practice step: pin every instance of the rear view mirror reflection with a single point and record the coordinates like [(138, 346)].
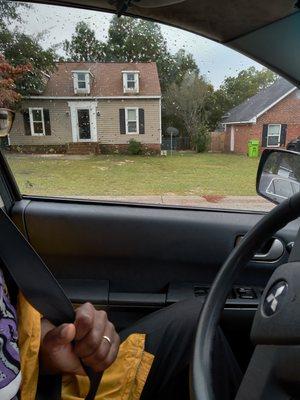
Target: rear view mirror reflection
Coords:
[(278, 175)]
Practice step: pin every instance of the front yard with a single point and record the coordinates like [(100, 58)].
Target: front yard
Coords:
[(184, 174)]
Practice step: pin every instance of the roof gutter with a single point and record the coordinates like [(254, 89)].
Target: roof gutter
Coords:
[(251, 121), (90, 97)]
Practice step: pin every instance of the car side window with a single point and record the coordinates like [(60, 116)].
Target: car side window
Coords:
[(122, 109)]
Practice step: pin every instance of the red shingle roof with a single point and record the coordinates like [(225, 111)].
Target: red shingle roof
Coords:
[(107, 79)]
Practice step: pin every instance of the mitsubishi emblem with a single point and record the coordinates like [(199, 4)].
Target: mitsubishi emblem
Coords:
[(274, 298)]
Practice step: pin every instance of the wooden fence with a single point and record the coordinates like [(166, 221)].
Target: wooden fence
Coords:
[(217, 144)]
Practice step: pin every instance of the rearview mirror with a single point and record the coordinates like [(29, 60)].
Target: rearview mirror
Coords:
[(6, 121), (278, 176)]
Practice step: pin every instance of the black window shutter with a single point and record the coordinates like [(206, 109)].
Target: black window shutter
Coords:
[(283, 134), (47, 122), (122, 121), (26, 119), (141, 121), (264, 136)]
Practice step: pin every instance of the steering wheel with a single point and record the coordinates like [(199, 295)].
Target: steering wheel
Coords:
[(274, 369)]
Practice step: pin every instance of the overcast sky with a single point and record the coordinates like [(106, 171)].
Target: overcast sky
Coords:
[(214, 60)]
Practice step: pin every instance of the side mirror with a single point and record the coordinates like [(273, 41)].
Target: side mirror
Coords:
[(278, 175), (6, 120)]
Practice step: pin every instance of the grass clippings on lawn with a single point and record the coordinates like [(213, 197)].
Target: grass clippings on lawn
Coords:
[(117, 175)]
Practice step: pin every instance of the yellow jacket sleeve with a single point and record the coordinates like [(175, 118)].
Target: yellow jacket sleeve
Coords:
[(124, 380), (29, 329)]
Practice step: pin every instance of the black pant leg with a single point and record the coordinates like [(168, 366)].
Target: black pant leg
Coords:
[(170, 338)]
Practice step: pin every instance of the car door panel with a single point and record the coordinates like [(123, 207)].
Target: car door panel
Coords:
[(137, 249)]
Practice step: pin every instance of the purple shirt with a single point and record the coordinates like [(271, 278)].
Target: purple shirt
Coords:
[(10, 374)]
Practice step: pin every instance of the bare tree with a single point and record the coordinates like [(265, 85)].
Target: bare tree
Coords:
[(187, 102)]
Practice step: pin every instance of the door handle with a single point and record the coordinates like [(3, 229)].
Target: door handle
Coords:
[(274, 252)]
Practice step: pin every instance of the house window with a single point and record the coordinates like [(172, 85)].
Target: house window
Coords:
[(81, 81), (37, 123), (131, 82), (132, 120), (273, 137)]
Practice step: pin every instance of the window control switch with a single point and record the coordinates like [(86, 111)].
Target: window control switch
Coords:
[(246, 293)]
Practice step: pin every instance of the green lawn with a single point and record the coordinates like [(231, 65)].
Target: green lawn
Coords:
[(118, 175)]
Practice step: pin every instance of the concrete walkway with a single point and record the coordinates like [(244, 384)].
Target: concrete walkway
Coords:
[(254, 203)]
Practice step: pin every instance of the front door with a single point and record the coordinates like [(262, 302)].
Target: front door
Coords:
[(84, 125), (83, 121)]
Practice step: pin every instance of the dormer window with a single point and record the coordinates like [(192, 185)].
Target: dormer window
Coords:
[(81, 80), (131, 81)]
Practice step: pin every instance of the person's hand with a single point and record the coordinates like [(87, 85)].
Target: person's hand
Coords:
[(59, 355)]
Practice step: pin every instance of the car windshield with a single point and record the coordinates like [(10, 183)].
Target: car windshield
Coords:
[(111, 108)]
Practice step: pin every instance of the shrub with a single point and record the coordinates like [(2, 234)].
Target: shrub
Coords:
[(201, 139), (134, 147)]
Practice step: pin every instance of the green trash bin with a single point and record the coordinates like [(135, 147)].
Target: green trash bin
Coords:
[(253, 148)]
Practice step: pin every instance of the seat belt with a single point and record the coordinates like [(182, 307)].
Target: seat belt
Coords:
[(37, 284)]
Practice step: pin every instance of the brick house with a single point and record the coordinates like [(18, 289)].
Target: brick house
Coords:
[(92, 107), (272, 116)]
